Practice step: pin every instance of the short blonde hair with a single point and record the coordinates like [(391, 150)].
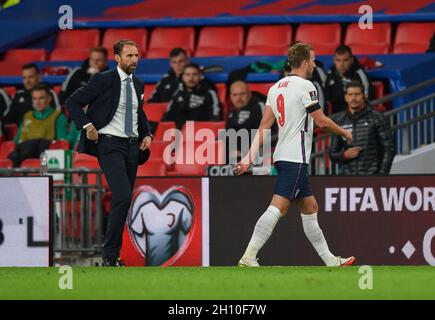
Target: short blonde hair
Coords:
[(297, 53)]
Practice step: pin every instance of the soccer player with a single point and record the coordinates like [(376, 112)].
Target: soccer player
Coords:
[(293, 102)]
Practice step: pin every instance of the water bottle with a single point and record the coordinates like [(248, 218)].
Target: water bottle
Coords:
[(43, 163)]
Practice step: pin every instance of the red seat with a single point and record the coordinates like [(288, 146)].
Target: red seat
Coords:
[(155, 111), (57, 89), (204, 154), (261, 87), (413, 37), (214, 126), (10, 131), (220, 41), (148, 90), (59, 144), (221, 89), (69, 55), (163, 40), (324, 38), (6, 148), (139, 35), (10, 90), (10, 69), (162, 127), (25, 55), (83, 39), (152, 168), (82, 160), (268, 40), (377, 87), (369, 41), (157, 149), (30, 163), (5, 163)]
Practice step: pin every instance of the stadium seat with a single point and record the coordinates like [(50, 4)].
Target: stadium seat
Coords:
[(148, 90), (222, 95), (25, 55), (82, 160), (369, 41), (198, 125), (413, 37), (10, 90), (261, 87), (31, 163), (198, 168), (161, 128), (10, 131), (157, 149), (265, 40), (6, 148), (220, 41), (325, 38), (5, 163), (69, 55), (139, 35), (163, 40), (10, 69), (155, 111), (59, 145), (83, 39), (151, 168), (377, 88)]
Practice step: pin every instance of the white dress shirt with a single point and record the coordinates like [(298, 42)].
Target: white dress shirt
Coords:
[(117, 124)]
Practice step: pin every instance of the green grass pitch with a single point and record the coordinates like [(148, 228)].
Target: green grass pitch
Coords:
[(230, 283)]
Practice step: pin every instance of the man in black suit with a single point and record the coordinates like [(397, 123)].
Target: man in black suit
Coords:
[(117, 132)]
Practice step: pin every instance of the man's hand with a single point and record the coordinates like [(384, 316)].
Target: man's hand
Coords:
[(242, 167), (348, 136), (92, 133), (145, 144), (352, 152)]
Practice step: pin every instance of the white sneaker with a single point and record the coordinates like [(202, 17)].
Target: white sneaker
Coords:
[(341, 262), (243, 262)]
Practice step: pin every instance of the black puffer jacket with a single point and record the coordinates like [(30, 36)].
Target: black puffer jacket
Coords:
[(372, 133)]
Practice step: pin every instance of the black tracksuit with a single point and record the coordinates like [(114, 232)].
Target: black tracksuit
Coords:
[(75, 80), (201, 104), (166, 88), (372, 133), (335, 85)]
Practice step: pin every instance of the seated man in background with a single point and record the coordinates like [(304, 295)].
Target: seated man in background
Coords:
[(171, 81), (22, 101), (345, 69), (246, 114), (97, 62), (372, 150), (39, 127), (194, 100)]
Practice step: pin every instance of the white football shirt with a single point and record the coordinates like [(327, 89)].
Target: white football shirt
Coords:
[(291, 100)]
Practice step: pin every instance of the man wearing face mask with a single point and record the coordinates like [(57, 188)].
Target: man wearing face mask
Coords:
[(372, 150), (195, 100), (117, 132), (97, 62)]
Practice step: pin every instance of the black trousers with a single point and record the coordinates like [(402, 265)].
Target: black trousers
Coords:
[(28, 149), (118, 158)]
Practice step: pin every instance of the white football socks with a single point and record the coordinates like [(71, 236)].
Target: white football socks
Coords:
[(317, 239), (262, 232)]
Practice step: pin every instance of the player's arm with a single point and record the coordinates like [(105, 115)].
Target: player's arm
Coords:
[(326, 124), (266, 123)]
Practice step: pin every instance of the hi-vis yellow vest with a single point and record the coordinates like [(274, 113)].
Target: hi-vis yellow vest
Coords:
[(39, 129)]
